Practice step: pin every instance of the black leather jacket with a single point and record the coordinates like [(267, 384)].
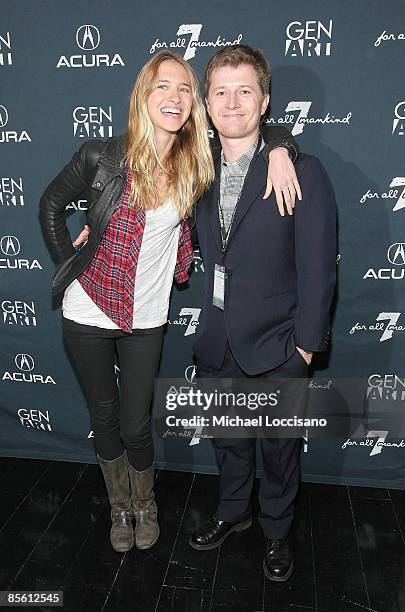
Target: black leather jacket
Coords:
[(98, 168)]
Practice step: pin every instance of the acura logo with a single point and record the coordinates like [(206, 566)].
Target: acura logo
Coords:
[(88, 37), (24, 362), (396, 254), (190, 374), (10, 245), (3, 116)]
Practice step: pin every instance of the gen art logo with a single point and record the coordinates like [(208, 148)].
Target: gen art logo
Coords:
[(36, 419), (386, 387), (398, 123), (6, 56), (197, 260), (92, 122), (308, 38), (11, 191), (88, 40), (18, 312)]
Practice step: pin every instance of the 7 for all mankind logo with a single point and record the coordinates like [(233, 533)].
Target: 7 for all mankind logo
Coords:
[(297, 117), (386, 322), (193, 43), (392, 194), (375, 440), (190, 324)]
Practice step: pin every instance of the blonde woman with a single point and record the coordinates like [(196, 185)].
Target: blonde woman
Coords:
[(142, 185)]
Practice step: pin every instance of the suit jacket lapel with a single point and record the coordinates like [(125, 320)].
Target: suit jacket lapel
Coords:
[(212, 202), (254, 183)]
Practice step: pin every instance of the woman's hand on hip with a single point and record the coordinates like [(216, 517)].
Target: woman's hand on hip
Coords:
[(82, 237)]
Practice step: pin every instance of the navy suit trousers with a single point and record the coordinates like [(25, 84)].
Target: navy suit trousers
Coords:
[(237, 461)]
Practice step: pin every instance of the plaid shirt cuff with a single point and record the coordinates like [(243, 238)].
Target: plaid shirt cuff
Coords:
[(184, 254)]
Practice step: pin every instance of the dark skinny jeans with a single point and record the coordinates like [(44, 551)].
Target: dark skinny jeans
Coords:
[(120, 416)]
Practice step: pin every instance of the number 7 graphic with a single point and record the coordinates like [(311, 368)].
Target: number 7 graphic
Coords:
[(194, 29), (381, 435), (392, 317), (303, 107), (399, 181), (194, 313)]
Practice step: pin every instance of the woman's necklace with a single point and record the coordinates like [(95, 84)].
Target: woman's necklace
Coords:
[(160, 179), (160, 172)]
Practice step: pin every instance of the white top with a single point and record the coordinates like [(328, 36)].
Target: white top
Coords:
[(154, 276)]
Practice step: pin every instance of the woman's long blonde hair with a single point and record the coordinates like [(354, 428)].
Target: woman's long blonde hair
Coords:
[(189, 165)]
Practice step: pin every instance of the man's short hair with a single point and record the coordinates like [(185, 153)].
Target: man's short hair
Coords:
[(236, 55)]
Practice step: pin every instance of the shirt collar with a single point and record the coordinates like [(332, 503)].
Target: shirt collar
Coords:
[(243, 162)]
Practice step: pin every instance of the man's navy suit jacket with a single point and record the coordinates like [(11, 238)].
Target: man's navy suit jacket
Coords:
[(281, 271)]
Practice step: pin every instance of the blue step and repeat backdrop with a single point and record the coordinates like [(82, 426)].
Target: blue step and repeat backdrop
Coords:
[(66, 72)]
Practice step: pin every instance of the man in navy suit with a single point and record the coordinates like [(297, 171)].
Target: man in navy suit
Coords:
[(269, 283)]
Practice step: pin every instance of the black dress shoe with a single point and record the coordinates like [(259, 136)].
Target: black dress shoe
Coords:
[(214, 532), (278, 562)]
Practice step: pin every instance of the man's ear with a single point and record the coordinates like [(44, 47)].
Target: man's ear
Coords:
[(265, 103)]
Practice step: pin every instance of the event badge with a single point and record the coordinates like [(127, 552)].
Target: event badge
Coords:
[(218, 298)]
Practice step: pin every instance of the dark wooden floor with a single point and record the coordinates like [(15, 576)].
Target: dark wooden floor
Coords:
[(54, 523)]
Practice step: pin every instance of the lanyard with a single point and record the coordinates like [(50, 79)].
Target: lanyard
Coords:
[(225, 233)]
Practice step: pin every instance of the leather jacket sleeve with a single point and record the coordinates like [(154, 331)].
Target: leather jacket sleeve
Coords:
[(72, 181), (278, 136)]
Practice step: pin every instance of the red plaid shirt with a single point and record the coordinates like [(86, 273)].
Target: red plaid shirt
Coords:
[(109, 279)]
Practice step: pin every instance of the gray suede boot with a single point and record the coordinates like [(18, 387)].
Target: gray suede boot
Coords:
[(115, 474), (144, 507)]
